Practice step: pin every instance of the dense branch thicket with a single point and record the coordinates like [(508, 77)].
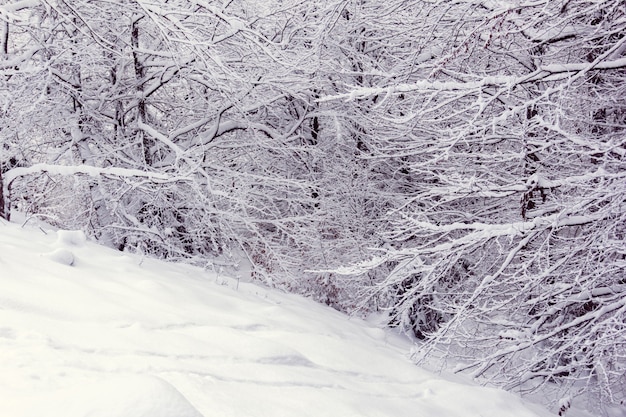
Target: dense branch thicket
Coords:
[(460, 165), (508, 252)]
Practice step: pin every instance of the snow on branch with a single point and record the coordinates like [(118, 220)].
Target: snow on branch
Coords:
[(508, 229), (537, 180), (19, 5), (92, 171), (476, 232), (18, 60), (424, 85), (554, 68), (543, 73), (68, 170), (162, 138), (355, 269)]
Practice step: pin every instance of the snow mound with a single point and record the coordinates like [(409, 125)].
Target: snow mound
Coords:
[(71, 238), (118, 396), (62, 256), (132, 395)]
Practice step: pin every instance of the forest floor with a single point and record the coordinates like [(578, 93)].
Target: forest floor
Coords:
[(88, 331)]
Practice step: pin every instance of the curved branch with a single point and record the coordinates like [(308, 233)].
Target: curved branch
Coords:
[(69, 170)]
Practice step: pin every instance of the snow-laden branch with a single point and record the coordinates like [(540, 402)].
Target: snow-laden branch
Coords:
[(539, 181), (92, 171), (18, 60), (561, 71), (592, 316), (421, 86), (481, 231), (576, 67), (162, 138), (69, 170), (357, 268), (18, 5), (230, 125), (477, 232)]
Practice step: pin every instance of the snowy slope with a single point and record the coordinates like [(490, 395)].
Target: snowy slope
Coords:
[(87, 331)]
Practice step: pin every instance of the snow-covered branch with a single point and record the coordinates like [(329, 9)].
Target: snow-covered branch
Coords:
[(16, 6), (70, 170), (67, 170), (507, 83)]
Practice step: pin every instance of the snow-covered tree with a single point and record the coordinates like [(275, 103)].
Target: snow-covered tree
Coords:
[(469, 153), (505, 124)]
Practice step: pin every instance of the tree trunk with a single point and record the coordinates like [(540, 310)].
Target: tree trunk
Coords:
[(4, 210)]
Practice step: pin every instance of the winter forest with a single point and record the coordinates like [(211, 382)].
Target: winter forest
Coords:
[(459, 165)]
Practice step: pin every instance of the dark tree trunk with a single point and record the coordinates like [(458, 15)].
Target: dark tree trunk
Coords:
[(4, 209)]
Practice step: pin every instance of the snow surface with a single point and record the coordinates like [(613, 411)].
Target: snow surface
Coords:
[(88, 331)]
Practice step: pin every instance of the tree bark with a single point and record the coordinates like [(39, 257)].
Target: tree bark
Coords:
[(4, 211)]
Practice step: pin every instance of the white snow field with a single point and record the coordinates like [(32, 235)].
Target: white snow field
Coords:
[(86, 331)]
